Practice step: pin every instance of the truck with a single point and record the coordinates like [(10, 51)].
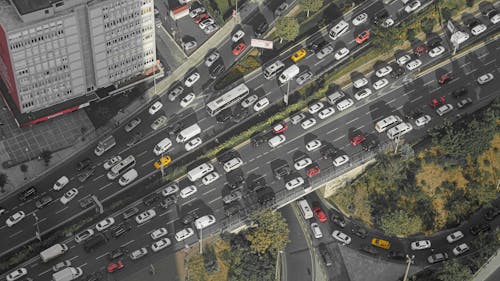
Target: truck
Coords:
[(53, 252), (104, 145), (67, 274), (188, 133)]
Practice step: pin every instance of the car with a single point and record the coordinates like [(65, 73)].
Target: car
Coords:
[(155, 107), (151, 199), (357, 139), (169, 201), (325, 254), (370, 145), (460, 249), (294, 183), (297, 118), (420, 245), (316, 230), (85, 163), (379, 17), (120, 229), (381, 243), (397, 71), (362, 37), (358, 83), (189, 45), (464, 103), (478, 29), (86, 202), (381, 72), (130, 213), (238, 49), (396, 256), (445, 78), (210, 178), (388, 22), (184, 234), (61, 265), (434, 52), (341, 53), (491, 213), (162, 162), (68, 196), (298, 55), (303, 77), (302, 163), (111, 162), (325, 51), (479, 228), (369, 249), (261, 29), (327, 151), (238, 35), (192, 79), (379, 84), (187, 100), (340, 160), (193, 143), (281, 171), (190, 218), (402, 60), (313, 145), (315, 107), (117, 253), (160, 244), (326, 112), (158, 233), (16, 274), (115, 266), (363, 93), (216, 70), (210, 28), (359, 231), (360, 19), (308, 123), (313, 171), (105, 224), (86, 174), (485, 78), (437, 257), (460, 92), (170, 189), (494, 17), (188, 191), (135, 139), (316, 44), (341, 237), (196, 11), (422, 120), (261, 104), (213, 57), (442, 110), (40, 203), (201, 17), (61, 183), (248, 101), (232, 164), (420, 50), (159, 122), (175, 92), (139, 253), (145, 216), (235, 180), (413, 6), (206, 22), (318, 212), (455, 236), (257, 140), (132, 124), (84, 235), (234, 195), (281, 8), (280, 128), (413, 64)]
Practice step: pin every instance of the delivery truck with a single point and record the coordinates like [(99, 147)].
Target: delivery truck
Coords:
[(67, 274), (53, 252)]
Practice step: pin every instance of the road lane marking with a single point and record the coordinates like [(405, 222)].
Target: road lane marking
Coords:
[(391, 101), (429, 82), (61, 210), (218, 198), (148, 163), (353, 120), (97, 178), (335, 140), (490, 62), (103, 255), (166, 213), (101, 188), (84, 264), (256, 168), (469, 72), (207, 192), (14, 234), (483, 55), (369, 112), (398, 108), (73, 258), (172, 221), (46, 271), (187, 202), (331, 131), (260, 86), (292, 151), (409, 92), (416, 99), (142, 153), (129, 242), (465, 64)]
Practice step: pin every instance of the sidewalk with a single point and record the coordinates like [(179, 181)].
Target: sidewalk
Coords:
[(488, 268)]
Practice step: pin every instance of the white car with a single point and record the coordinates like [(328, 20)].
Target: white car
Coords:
[(360, 82), (210, 28), (325, 51), (420, 245), (344, 104), (341, 160), (442, 110), (422, 120), (189, 82), (128, 177), (460, 249), (160, 244), (363, 93), (434, 52), (402, 60), (184, 234), (294, 183), (478, 29), (327, 112), (158, 233), (188, 191), (232, 164), (139, 253), (193, 143), (308, 123), (111, 162), (413, 64), (304, 77), (155, 107), (193, 13), (341, 53), (206, 23), (15, 218), (485, 78), (16, 274), (170, 189), (413, 6), (383, 71), (189, 45), (132, 124), (379, 84), (145, 216), (61, 183), (261, 104), (341, 237), (68, 196), (210, 178), (104, 224), (316, 230), (84, 235), (238, 35), (495, 18), (213, 57), (159, 122), (302, 163), (455, 236), (249, 101), (360, 19), (388, 22), (187, 100), (313, 145), (315, 107)]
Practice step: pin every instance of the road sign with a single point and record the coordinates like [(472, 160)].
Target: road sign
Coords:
[(259, 43)]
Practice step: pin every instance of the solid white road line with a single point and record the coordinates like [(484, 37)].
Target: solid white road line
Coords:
[(212, 201), (142, 153), (353, 120), (61, 210), (96, 178), (331, 131), (416, 99), (103, 255), (101, 188), (207, 192), (14, 234), (129, 242)]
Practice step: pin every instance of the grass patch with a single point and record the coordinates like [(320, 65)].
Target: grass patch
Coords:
[(245, 66), (196, 268)]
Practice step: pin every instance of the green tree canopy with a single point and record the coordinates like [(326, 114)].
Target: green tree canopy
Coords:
[(311, 5), (454, 271), (385, 39), (46, 156), (400, 223), (287, 28), (270, 235)]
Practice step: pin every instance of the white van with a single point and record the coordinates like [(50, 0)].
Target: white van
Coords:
[(339, 29), (289, 73), (200, 171), (162, 146), (188, 133), (276, 140), (336, 96), (232, 164), (305, 209), (271, 71), (344, 104), (387, 122), (128, 177), (204, 221), (399, 130)]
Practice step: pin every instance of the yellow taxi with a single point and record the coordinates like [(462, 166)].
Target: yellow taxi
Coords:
[(298, 55), (164, 161), (384, 244)]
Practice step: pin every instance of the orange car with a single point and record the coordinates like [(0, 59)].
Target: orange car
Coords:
[(363, 36), (164, 161), (298, 55)]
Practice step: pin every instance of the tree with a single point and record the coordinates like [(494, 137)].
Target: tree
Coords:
[(46, 156), (427, 24), (287, 28), (24, 169), (454, 271), (271, 235), (400, 223), (469, 3), (384, 39), (311, 5), (3, 182), (410, 34)]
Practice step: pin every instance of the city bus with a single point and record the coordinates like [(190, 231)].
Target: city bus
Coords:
[(121, 167), (305, 209), (228, 99)]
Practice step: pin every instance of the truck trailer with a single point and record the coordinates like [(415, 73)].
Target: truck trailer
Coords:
[(67, 274), (53, 252), (105, 145)]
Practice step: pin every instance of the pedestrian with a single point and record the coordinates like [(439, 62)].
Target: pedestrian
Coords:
[(432, 250)]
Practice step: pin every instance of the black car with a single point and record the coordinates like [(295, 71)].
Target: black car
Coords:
[(116, 253), (380, 17), (434, 42), (85, 175), (261, 29), (281, 171), (175, 128), (44, 201), (225, 156), (235, 181), (266, 197), (169, 201), (189, 218), (491, 213), (240, 115), (27, 193), (437, 257), (120, 229), (325, 254), (135, 139), (359, 231), (151, 199), (86, 202), (216, 70), (232, 209), (224, 115), (368, 249), (257, 140), (370, 145), (473, 22), (327, 151), (83, 164), (316, 45), (414, 113), (397, 71), (459, 92), (130, 213), (464, 103), (396, 256), (479, 228), (338, 219)]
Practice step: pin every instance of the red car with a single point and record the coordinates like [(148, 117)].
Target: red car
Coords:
[(363, 36), (199, 18), (445, 78), (357, 139), (239, 48), (320, 214), (115, 266), (280, 128), (437, 102), (420, 50), (312, 171)]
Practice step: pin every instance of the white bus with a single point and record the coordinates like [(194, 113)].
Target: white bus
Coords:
[(271, 71), (121, 167), (305, 209), (200, 171), (387, 122), (228, 99)]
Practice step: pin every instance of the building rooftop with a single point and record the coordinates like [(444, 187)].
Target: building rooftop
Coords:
[(9, 18), (28, 6)]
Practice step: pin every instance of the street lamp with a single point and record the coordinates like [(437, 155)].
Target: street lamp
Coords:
[(161, 166), (201, 240), (409, 261), (37, 233)]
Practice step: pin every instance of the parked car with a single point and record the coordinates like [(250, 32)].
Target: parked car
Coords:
[(455, 236), (238, 49), (362, 37), (281, 9), (420, 245), (341, 237), (238, 35), (189, 45), (213, 57), (437, 257)]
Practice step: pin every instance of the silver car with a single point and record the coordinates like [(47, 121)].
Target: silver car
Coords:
[(213, 57), (189, 45), (304, 77), (325, 51), (137, 254), (175, 92)]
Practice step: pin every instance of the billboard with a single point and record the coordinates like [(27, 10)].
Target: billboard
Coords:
[(264, 44)]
